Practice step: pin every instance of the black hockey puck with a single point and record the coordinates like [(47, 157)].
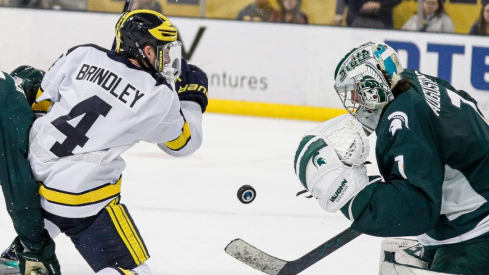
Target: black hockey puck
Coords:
[(246, 194)]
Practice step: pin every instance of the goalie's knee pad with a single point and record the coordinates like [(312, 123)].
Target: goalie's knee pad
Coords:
[(403, 257)]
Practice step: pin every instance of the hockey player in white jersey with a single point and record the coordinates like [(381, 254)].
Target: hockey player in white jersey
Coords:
[(97, 104)]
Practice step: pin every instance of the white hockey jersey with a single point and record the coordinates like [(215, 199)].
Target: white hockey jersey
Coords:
[(101, 105)]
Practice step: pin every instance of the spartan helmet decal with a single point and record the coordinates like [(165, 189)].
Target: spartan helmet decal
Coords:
[(372, 88)]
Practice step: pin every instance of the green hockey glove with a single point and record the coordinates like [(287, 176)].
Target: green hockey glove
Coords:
[(45, 262)]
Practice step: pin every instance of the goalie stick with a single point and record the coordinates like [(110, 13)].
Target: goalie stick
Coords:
[(271, 265)]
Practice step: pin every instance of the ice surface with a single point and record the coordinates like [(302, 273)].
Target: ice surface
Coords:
[(187, 209)]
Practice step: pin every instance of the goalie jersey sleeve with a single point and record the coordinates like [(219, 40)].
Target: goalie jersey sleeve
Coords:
[(19, 188), (101, 105), (433, 153)]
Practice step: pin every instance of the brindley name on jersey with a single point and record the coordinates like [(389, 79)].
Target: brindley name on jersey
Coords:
[(110, 82), (431, 92)]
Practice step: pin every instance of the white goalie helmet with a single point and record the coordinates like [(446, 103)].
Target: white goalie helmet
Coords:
[(361, 85)]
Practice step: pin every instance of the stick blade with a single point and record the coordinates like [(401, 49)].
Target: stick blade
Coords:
[(254, 257)]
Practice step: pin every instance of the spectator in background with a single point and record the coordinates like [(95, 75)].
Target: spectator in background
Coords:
[(435, 19), (147, 4), (260, 10), (370, 14), (290, 12), (481, 26), (48, 4), (339, 12), (36, 4)]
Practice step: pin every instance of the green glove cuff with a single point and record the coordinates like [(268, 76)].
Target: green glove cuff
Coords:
[(354, 208)]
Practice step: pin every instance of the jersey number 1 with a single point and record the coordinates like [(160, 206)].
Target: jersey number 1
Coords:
[(91, 108)]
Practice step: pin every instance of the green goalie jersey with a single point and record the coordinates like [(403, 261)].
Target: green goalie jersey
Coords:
[(19, 188), (433, 152)]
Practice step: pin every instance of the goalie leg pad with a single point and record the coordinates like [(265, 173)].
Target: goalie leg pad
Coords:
[(403, 257), (403, 251)]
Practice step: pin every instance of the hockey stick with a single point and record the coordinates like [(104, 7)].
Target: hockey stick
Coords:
[(127, 5), (271, 265)]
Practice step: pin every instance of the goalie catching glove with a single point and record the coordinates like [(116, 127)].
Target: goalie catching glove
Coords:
[(44, 262), (192, 85), (329, 162)]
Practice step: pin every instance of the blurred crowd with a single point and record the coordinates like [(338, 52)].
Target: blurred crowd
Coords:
[(366, 14), (350, 13), (47, 4)]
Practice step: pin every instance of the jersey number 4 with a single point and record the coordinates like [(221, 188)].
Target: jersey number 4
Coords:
[(91, 108)]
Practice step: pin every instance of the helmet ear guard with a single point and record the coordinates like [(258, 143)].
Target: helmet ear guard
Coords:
[(29, 79)]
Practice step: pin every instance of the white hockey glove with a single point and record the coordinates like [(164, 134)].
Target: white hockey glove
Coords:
[(329, 162)]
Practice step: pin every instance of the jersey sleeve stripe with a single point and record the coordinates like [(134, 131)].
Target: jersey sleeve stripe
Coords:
[(102, 193), (180, 141)]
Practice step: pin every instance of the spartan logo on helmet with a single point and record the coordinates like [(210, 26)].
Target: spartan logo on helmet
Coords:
[(372, 87)]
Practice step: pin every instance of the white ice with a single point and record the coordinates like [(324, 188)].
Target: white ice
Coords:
[(187, 209)]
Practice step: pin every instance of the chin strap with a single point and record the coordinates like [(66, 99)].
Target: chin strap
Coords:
[(144, 61), (146, 64)]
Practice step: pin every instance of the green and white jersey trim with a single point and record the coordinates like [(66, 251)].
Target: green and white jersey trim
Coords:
[(458, 199), (481, 228)]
